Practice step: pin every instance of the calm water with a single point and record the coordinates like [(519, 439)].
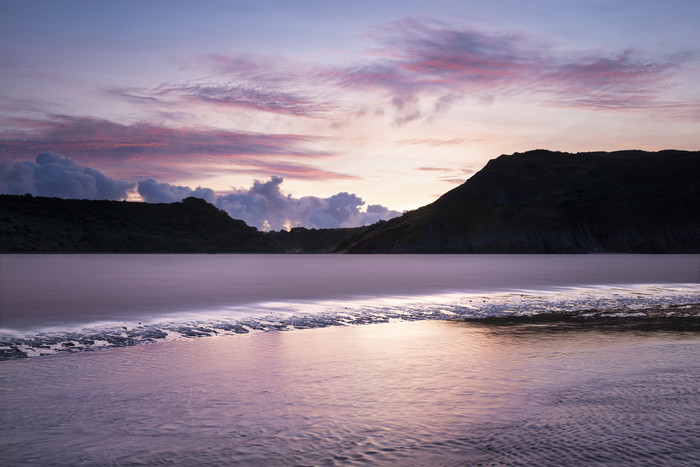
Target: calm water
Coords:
[(416, 386), (58, 290), (411, 393)]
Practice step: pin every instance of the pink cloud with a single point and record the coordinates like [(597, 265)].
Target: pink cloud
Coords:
[(87, 136), (421, 56), (432, 141), (251, 96), (433, 169), (455, 176), (452, 180), (465, 54), (242, 81), (411, 59), (153, 150), (416, 57)]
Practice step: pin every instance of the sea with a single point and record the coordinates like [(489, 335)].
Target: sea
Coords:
[(305, 360)]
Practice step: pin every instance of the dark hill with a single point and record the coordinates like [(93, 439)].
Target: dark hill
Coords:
[(552, 202), (303, 240), (35, 224)]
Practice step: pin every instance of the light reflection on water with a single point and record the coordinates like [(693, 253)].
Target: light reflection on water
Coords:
[(406, 393)]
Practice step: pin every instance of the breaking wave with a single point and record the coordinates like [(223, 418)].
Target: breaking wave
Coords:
[(679, 303)]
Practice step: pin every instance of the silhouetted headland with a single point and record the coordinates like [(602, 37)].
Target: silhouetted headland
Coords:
[(552, 202), (534, 202)]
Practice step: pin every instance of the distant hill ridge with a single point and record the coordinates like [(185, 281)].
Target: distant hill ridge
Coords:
[(535, 202), (35, 224), (553, 202)]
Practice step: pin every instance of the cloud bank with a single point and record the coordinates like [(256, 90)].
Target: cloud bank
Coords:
[(263, 206), (266, 207), (53, 175)]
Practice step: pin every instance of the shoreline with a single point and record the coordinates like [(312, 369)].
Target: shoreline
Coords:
[(405, 393), (74, 289), (676, 318)]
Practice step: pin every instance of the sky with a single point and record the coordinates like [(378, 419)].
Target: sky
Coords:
[(329, 113)]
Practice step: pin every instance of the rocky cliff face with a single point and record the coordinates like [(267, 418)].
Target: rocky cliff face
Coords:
[(551, 202)]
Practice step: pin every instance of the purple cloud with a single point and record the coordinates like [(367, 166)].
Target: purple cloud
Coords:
[(266, 207), (454, 177), (247, 96), (432, 141), (160, 150), (154, 192), (412, 59), (417, 58), (85, 135), (243, 81), (53, 175), (433, 169), (436, 54)]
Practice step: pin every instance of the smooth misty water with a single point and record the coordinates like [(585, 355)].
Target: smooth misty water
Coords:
[(46, 290), (416, 386)]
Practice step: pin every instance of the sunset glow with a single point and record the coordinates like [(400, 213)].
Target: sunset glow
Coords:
[(383, 105)]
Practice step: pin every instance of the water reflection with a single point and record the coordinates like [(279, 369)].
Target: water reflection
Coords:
[(406, 393)]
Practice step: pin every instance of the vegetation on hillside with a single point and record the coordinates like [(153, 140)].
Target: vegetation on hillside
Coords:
[(36, 224)]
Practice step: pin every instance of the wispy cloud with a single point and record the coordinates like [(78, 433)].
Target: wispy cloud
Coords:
[(622, 81), (453, 180), (250, 95), (418, 58), (86, 135), (411, 60), (432, 141), (433, 169), (243, 81), (454, 177), (163, 147), (432, 54)]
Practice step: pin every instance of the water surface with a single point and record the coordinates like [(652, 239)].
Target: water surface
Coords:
[(46, 290), (409, 393), (282, 372)]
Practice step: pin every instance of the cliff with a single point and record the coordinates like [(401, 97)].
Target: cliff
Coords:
[(551, 202)]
